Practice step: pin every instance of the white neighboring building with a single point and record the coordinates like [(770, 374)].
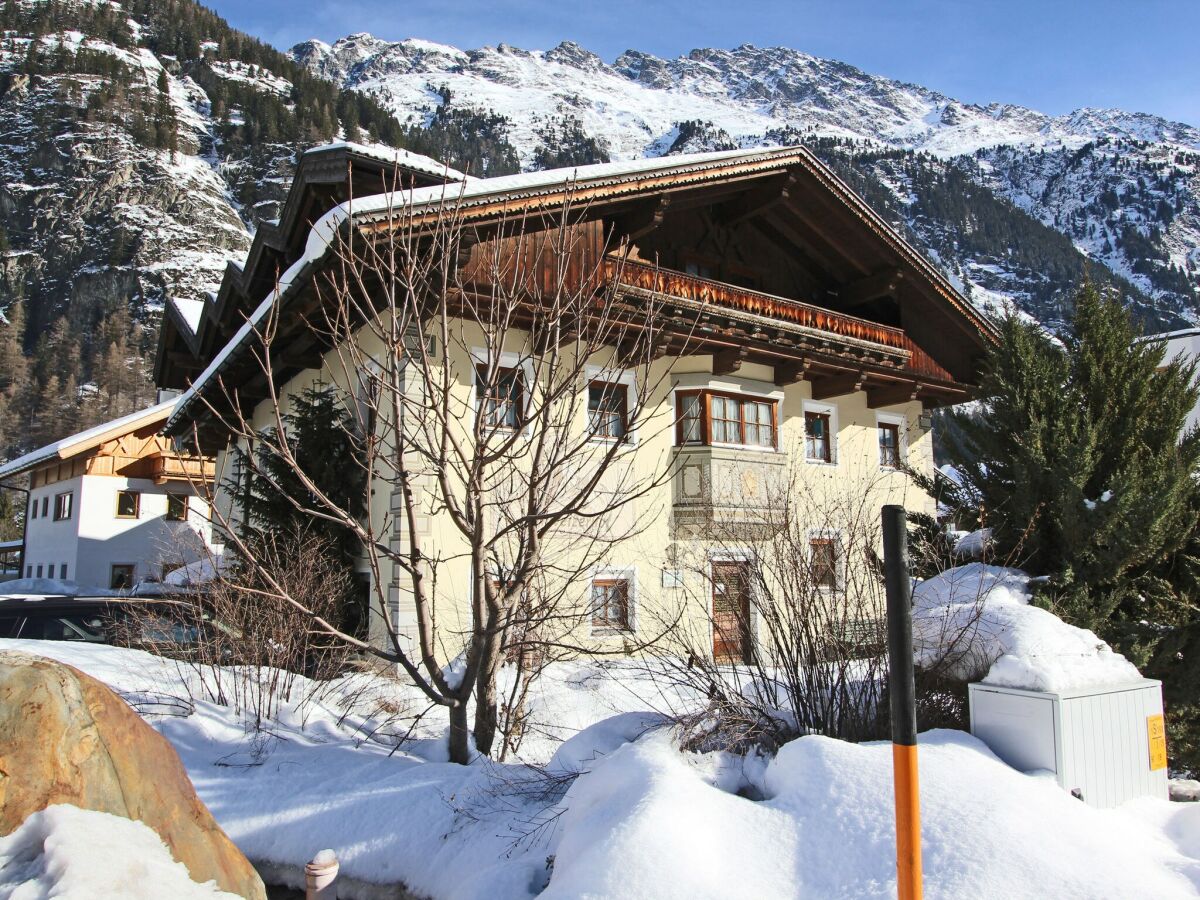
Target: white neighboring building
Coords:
[(114, 505), (1182, 343)]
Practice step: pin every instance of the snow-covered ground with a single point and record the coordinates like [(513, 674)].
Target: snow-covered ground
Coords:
[(77, 854), (643, 820)]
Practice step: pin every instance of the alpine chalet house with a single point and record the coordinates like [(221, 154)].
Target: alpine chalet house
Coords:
[(114, 505), (798, 333)]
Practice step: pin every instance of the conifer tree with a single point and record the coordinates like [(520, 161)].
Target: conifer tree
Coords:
[(322, 437), (1081, 465)]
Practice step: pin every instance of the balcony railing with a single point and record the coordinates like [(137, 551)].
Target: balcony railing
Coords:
[(666, 282), (182, 468)]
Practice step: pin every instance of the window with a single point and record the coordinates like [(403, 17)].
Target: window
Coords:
[(177, 507), (608, 410), (712, 417), (62, 571), (29, 571), (610, 603), (33, 507), (129, 504), (62, 506), (823, 563), (45, 506), (39, 571), (818, 443), (122, 576), (889, 445), (502, 403)]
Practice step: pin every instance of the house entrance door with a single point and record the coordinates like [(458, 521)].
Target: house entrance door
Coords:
[(731, 611)]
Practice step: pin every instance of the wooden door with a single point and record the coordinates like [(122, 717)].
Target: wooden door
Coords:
[(731, 611)]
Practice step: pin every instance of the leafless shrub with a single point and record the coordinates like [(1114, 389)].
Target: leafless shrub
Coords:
[(788, 636), (249, 650)]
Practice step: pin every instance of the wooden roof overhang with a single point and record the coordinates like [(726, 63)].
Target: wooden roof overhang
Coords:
[(787, 194), (325, 177)]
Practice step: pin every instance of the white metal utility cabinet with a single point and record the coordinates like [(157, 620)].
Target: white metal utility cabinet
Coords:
[(1105, 745)]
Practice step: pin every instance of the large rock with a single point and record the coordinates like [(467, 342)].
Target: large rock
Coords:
[(66, 738)]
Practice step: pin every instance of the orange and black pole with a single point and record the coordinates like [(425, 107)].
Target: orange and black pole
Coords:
[(903, 694)]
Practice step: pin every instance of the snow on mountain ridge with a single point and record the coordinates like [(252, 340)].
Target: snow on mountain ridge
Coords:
[(744, 91)]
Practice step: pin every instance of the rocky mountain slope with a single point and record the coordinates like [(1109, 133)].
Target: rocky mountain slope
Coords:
[(140, 143), (1123, 188)]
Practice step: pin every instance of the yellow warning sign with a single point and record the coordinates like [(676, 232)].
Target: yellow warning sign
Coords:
[(1156, 730)]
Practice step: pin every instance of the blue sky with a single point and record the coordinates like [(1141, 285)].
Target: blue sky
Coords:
[(1052, 55)]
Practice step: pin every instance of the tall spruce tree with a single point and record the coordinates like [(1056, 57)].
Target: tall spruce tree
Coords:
[(1081, 465), (322, 437)]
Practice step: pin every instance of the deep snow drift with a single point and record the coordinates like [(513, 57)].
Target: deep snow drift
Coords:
[(643, 819)]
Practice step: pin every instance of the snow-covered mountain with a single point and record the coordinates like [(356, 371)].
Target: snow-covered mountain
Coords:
[(1123, 187)]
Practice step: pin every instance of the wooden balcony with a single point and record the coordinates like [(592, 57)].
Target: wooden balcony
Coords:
[(169, 467), (804, 326)]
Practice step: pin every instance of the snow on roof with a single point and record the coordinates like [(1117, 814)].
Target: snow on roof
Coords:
[(473, 191), (85, 440), (189, 310), (406, 158), (1167, 335)]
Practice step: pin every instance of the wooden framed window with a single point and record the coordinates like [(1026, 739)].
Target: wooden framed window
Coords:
[(62, 506), (608, 410), (818, 440), (610, 603), (889, 445), (121, 576), (690, 426), (502, 403), (177, 507), (129, 504), (823, 562), (715, 417)]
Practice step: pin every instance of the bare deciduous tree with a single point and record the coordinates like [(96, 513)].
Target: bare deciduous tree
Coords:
[(498, 384)]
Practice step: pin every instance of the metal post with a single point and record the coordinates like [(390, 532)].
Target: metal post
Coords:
[(902, 691)]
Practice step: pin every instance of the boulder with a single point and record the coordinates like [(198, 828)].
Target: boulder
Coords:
[(67, 738)]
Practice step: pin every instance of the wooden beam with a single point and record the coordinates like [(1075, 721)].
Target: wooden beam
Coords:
[(889, 394), (791, 372), (726, 362), (634, 352), (641, 220), (881, 284), (755, 202), (798, 234), (820, 225), (837, 385)]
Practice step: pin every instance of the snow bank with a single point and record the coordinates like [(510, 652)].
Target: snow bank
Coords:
[(976, 621), (643, 819), (646, 822), (80, 854)]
